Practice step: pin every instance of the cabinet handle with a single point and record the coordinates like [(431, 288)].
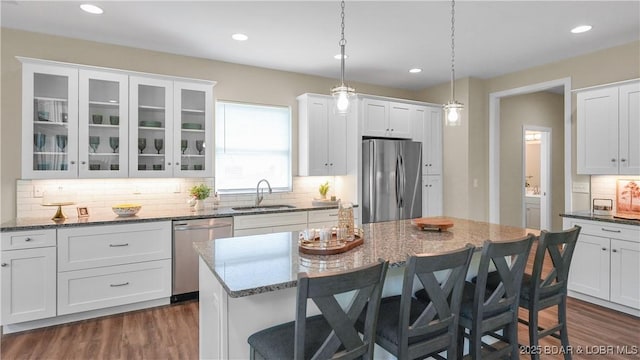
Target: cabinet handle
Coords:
[(27, 239), (168, 164), (325, 164), (613, 160), (623, 160), (387, 130), (118, 245), (116, 285), (392, 130), (614, 250), (177, 163), (82, 162), (4, 264), (331, 164), (613, 231), (72, 162), (604, 249), (333, 214)]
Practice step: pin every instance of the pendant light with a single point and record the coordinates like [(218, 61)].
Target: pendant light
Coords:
[(453, 108), (342, 93)]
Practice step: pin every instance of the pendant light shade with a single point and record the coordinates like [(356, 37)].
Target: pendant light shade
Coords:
[(453, 109), (342, 93)]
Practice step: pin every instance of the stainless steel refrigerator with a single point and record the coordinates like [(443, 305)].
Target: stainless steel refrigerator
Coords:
[(391, 180)]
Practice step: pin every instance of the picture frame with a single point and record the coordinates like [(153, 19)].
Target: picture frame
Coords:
[(83, 212), (628, 196)]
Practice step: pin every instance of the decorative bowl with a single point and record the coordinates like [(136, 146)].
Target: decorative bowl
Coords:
[(150, 123), (126, 209), (192, 126)]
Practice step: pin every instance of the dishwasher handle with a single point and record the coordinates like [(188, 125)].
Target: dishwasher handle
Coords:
[(185, 227)]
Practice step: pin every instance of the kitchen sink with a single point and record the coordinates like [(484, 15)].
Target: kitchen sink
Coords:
[(263, 207)]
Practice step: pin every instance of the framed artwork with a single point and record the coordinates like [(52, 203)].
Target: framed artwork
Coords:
[(628, 196), (83, 212)]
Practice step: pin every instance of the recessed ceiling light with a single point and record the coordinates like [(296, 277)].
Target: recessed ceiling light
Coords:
[(415, 70), (338, 56), (91, 9), (239, 37), (581, 29)]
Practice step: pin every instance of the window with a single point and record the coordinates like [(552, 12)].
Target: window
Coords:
[(253, 142)]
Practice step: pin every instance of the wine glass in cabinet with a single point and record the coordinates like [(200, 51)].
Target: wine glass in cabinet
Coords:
[(193, 127), (50, 117), (103, 129)]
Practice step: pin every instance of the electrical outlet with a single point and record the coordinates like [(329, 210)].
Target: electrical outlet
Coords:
[(580, 187), (475, 183), (38, 191)]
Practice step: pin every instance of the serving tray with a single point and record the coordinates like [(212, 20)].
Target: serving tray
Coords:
[(332, 247), (437, 224)]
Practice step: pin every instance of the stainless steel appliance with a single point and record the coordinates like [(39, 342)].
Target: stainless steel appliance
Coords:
[(185, 259), (391, 178)]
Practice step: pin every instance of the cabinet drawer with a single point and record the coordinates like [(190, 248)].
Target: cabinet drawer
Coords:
[(91, 289), (28, 239), (270, 220), (96, 246), (330, 215), (598, 228)]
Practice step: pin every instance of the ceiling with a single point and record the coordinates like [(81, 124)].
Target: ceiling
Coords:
[(384, 38)]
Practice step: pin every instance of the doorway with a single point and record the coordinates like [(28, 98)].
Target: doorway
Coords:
[(536, 175)]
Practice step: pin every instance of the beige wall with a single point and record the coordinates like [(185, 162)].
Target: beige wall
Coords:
[(470, 160), (235, 82), (536, 109)]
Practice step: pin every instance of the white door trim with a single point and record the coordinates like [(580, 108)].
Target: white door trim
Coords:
[(494, 141)]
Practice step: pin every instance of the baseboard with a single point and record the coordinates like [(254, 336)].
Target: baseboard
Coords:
[(604, 303)]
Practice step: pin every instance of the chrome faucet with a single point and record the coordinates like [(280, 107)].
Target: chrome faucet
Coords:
[(260, 193)]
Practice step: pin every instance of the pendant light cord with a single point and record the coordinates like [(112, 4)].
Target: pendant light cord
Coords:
[(342, 44), (453, 52)]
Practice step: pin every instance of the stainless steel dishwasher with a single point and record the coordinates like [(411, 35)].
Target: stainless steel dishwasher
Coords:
[(185, 259)]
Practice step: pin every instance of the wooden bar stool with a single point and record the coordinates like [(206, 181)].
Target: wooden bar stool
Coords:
[(485, 309), (409, 328), (547, 286), (332, 334)]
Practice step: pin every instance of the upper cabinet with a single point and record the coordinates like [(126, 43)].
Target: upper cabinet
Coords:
[(322, 137), (427, 125), (85, 122), (49, 121), (383, 118), (608, 128)]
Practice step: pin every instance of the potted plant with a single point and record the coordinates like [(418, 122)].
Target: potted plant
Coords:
[(323, 189), (200, 193)]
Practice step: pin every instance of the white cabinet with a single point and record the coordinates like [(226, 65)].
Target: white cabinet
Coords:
[(382, 118), (28, 265), (427, 126), (86, 122), (532, 212), (49, 121), (432, 195), (322, 137), (608, 123), (112, 265), (103, 148), (269, 223), (605, 268)]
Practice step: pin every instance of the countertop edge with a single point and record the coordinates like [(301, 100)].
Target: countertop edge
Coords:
[(601, 218)]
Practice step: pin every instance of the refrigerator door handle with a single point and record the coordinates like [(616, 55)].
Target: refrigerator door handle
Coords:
[(398, 191), (403, 180), (372, 180)]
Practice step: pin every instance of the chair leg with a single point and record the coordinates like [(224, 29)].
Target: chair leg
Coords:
[(512, 332), (564, 334), (460, 349), (252, 353), (533, 332), (475, 344)]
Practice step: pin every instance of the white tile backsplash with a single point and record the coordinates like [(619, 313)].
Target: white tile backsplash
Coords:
[(604, 187), (98, 195)]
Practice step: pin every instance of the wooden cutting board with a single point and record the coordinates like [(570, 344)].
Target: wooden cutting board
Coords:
[(438, 224)]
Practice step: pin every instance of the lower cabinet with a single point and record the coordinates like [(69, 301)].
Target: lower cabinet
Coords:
[(605, 268), (532, 209), (28, 266), (269, 223), (432, 195)]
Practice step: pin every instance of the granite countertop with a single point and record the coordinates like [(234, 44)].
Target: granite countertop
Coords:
[(586, 215), (146, 215), (256, 264)]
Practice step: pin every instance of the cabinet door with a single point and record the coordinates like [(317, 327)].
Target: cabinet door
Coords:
[(400, 120), (150, 127), (432, 145), (316, 136), (375, 116), (597, 140), (28, 284), (337, 144), (49, 122), (432, 195), (103, 141), (625, 273), (629, 129), (533, 216), (589, 272)]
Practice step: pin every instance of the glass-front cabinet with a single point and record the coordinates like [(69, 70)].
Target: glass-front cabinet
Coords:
[(151, 127), (103, 125), (193, 130), (50, 121)]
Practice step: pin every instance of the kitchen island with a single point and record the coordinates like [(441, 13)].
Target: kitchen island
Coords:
[(248, 283)]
